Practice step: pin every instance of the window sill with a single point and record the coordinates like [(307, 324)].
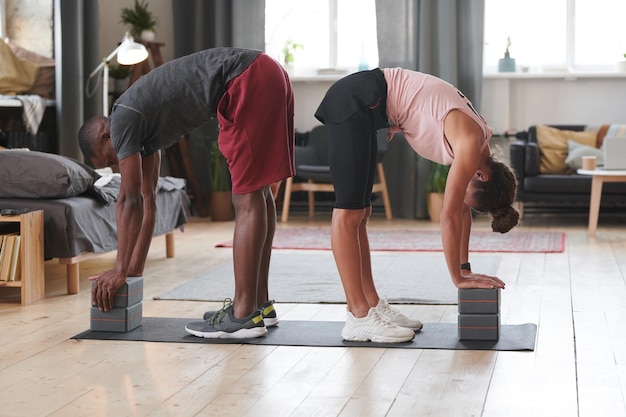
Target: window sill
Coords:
[(565, 75)]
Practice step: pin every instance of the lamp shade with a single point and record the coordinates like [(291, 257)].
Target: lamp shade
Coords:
[(131, 52)]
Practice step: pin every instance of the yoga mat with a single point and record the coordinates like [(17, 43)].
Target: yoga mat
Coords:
[(318, 238), (325, 334), (312, 277)]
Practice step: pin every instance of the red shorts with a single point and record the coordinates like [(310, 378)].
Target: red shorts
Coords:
[(256, 126)]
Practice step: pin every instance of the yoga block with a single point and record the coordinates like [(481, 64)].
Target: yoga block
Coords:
[(479, 301), (130, 293), (479, 326), (121, 319)]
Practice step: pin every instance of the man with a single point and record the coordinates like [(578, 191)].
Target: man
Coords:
[(252, 97)]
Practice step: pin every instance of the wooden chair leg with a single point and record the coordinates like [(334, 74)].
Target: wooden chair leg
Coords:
[(383, 183), (311, 201), (286, 199)]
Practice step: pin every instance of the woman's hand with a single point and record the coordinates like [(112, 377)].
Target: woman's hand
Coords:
[(475, 280)]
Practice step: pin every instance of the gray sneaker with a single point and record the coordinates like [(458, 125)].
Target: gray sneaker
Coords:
[(223, 325), (374, 327), (397, 318), (268, 312)]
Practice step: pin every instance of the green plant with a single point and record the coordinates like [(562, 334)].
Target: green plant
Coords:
[(437, 179), (289, 50), (139, 18), (120, 72)]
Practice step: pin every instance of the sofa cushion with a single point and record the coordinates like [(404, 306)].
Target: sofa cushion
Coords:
[(553, 147), (576, 151)]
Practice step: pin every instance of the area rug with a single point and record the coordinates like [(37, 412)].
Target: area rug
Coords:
[(326, 334), (311, 277), (318, 238)]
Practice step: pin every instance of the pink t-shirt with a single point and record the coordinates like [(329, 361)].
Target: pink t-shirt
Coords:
[(417, 105)]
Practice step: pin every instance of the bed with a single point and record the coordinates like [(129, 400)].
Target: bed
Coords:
[(79, 205)]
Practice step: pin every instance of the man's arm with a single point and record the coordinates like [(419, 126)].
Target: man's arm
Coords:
[(150, 175), (129, 214)]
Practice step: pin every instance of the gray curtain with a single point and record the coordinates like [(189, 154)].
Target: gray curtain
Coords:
[(443, 38), (201, 24), (76, 54)]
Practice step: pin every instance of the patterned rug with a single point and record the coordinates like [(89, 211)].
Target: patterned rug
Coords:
[(318, 238)]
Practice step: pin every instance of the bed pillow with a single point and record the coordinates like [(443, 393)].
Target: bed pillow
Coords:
[(574, 159), (30, 174), (553, 149)]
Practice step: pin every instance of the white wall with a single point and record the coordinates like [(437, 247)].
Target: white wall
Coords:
[(518, 102)]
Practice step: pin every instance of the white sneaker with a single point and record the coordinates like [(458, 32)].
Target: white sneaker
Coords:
[(397, 318), (374, 327)]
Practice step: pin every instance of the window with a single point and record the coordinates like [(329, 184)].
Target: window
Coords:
[(333, 33), (556, 35)]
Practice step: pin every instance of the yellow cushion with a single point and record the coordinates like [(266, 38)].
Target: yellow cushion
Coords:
[(44, 82), (16, 76), (553, 147)]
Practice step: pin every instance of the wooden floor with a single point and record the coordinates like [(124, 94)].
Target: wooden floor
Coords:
[(577, 299)]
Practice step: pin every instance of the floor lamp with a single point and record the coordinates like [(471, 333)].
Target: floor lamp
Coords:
[(128, 52)]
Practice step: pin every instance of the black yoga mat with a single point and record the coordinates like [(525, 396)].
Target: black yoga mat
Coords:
[(324, 333)]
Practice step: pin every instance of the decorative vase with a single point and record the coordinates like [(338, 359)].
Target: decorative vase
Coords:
[(221, 206), (147, 35), (506, 64), (435, 204)]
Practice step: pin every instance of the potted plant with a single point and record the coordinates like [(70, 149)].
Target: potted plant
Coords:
[(435, 186), (288, 53), (141, 20), (221, 199)]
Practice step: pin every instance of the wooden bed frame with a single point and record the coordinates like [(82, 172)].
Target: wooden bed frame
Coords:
[(73, 270)]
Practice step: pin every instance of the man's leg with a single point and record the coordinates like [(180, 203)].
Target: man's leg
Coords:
[(252, 242)]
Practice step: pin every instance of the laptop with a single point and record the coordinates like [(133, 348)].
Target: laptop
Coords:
[(615, 148)]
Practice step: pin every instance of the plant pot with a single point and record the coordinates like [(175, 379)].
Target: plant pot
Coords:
[(147, 35), (221, 206), (435, 204), (621, 66)]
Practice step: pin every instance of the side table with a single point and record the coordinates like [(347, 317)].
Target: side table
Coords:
[(598, 177)]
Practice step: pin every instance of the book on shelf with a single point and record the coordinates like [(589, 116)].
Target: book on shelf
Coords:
[(15, 271), (6, 256)]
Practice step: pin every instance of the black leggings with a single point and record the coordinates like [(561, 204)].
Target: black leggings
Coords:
[(353, 158), (352, 110)]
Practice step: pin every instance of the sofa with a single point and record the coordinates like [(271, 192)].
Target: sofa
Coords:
[(545, 160)]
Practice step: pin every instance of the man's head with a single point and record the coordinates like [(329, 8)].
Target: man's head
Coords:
[(94, 139)]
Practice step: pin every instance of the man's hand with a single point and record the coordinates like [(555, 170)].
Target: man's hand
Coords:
[(473, 280), (105, 286)]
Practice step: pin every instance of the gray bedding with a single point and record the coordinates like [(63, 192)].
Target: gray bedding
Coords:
[(86, 222)]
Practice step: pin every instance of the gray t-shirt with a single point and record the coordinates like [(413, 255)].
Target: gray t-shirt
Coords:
[(174, 99)]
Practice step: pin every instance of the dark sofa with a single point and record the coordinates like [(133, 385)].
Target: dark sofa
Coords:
[(555, 192)]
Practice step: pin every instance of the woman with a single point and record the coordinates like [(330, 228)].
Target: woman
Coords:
[(440, 124)]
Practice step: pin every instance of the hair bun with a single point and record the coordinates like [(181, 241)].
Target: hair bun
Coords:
[(504, 219)]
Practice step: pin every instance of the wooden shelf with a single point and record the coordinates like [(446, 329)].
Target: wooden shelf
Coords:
[(32, 279)]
